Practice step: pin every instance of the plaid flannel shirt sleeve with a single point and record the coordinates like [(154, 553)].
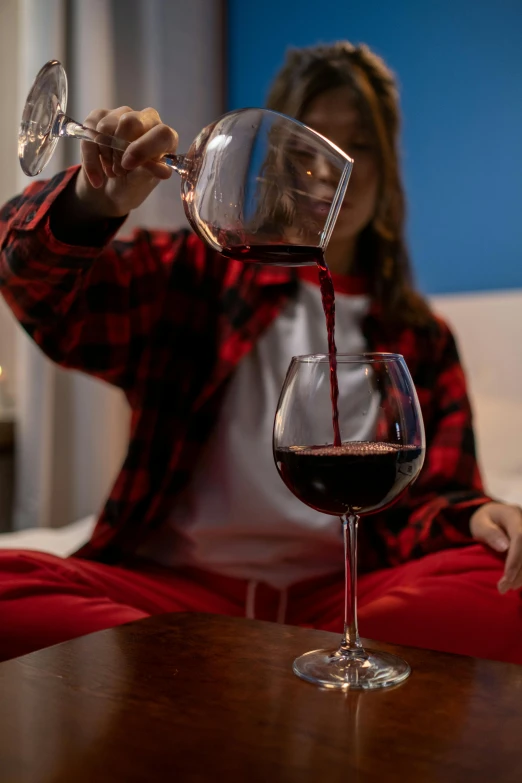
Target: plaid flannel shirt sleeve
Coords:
[(436, 511), (90, 308)]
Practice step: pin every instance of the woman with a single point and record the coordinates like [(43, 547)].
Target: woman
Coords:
[(198, 518)]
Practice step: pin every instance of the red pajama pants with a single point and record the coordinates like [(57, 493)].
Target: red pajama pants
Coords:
[(446, 601)]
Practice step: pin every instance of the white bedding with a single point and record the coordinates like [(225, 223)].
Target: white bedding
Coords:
[(58, 541)]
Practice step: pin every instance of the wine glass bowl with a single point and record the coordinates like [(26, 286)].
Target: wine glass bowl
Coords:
[(256, 185), (380, 454), (253, 192)]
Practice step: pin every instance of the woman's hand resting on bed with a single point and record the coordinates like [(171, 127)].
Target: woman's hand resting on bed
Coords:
[(499, 525)]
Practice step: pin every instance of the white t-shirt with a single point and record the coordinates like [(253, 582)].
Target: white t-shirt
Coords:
[(237, 517)]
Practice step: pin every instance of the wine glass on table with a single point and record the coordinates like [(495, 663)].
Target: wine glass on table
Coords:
[(253, 182), (380, 454)]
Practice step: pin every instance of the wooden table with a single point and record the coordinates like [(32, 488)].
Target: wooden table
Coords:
[(191, 697)]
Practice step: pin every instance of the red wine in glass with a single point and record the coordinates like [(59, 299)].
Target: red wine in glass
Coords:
[(357, 477), (381, 455), (299, 255)]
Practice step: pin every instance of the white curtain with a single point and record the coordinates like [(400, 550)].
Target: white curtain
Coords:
[(71, 430)]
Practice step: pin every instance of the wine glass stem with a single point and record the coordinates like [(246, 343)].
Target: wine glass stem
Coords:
[(350, 642), (65, 126)]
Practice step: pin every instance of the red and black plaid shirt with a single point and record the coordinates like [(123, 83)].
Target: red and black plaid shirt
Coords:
[(167, 320)]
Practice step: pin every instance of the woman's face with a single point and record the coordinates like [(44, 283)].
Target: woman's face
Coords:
[(334, 114)]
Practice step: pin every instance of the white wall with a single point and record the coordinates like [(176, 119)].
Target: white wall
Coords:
[(489, 333), (8, 156)]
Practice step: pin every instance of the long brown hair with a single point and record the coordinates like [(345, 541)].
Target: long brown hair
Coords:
[(382, 253)]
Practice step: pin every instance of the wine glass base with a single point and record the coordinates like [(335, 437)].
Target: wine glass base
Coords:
[(364, 671), (46, 102)]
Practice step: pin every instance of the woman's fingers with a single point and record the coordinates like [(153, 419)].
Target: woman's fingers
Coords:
[(109, 125), (149, 148), (512, 524), (500, 526), (491, 534), (149, 139), (90, 152)]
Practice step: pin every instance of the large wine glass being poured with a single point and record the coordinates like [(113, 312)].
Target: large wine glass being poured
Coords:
[(380, 454), (256, 185)]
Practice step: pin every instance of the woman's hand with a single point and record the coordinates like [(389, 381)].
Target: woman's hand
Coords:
[(111, 184), (500, 526)]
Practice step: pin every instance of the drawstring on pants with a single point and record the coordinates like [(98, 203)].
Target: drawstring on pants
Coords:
[(250, 602), (281, 609)]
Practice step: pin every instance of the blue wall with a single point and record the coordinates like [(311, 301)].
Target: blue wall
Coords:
[(459, 64)]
